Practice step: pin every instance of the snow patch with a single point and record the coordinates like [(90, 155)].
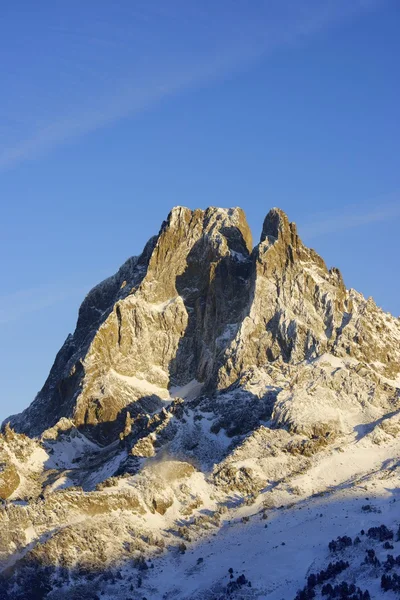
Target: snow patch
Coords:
[(189, 391), (141, 385)]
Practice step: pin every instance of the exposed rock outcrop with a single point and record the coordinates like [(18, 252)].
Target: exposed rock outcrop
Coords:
[(205, 381), (199, 304)]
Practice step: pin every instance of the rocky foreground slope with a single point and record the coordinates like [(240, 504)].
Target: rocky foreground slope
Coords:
[(207, 384)]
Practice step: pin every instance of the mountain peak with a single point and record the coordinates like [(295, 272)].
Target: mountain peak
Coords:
[(276, 224), (199, 305), (206, 383)]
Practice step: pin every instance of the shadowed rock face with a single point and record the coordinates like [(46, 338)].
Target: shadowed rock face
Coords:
[(200, 304)]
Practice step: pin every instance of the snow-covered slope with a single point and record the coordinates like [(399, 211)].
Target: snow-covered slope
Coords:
[(220, 414)]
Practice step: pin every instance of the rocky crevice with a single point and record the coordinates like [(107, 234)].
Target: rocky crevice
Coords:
[(200, 304)]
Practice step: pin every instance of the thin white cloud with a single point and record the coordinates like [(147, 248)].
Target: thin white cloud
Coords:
[(21, 303), (350, 218), (137, 89)]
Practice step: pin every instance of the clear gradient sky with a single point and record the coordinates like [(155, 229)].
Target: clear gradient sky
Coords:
[(113, 112)]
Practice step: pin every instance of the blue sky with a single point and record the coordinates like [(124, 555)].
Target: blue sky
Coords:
[(112, 113)]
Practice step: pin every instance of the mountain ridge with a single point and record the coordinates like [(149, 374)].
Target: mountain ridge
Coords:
[(200, 267), (212, 393)]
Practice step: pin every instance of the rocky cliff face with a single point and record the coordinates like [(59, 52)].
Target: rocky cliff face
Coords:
[(200, 305), (207, 383)]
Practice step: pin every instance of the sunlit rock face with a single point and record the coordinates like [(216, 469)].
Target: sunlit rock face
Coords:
[(209, 385), (201, 305)]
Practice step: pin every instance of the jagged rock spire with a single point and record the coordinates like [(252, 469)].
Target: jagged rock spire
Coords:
[(200, 305), (275, 223)]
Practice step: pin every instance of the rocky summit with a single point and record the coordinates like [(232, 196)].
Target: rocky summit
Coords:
[(219, 409)]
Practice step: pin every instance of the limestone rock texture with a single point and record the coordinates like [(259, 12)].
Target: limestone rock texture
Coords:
[(208, 381), (201, 305)]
